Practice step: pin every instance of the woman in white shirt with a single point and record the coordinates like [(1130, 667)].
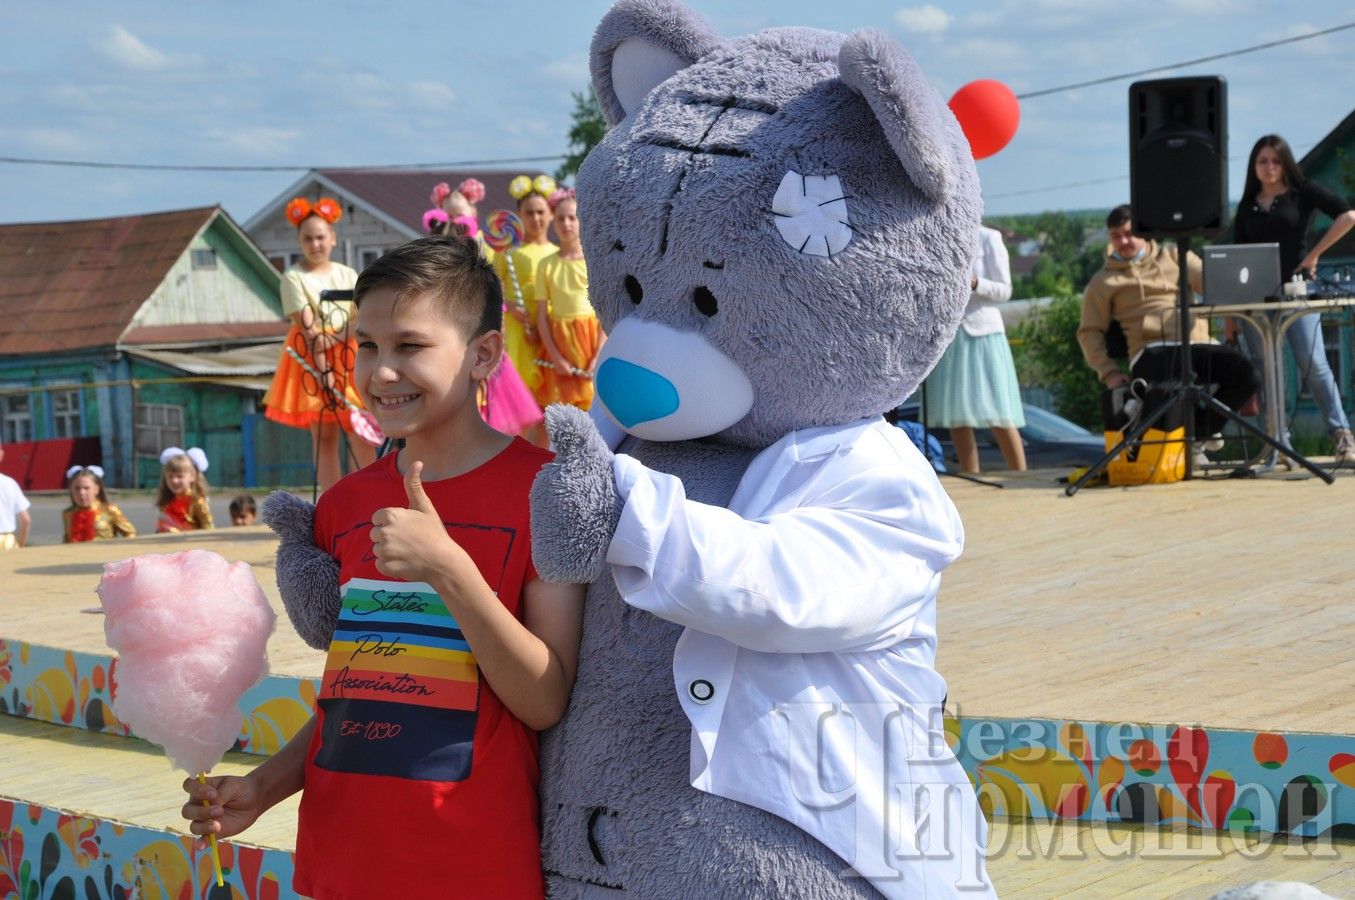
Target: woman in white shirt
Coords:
[(974, 384)]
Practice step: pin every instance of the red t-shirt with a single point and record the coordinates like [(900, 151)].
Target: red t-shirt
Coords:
[(419, 783)]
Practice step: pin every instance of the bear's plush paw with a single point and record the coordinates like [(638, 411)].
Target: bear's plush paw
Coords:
[(308, 577), (575, 506)]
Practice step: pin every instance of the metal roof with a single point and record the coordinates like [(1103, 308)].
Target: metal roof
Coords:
[(78, 285), (70, 285), (249, 368)]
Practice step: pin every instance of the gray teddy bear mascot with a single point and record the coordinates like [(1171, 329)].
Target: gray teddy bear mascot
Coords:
[(778, 231)]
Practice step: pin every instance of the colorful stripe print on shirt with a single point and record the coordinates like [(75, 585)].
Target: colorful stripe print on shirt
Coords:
[(399, 675)]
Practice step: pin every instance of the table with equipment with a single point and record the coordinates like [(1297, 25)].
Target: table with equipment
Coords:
[(1272, 319)]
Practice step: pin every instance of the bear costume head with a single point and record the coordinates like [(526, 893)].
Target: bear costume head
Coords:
[(778, 227)]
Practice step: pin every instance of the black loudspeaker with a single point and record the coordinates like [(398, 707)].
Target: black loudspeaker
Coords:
[(1178, 156)]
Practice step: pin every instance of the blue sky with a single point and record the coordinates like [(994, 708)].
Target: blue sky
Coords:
[(356, 82)]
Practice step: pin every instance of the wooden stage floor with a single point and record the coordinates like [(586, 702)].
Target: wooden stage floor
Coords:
[(1225, 602)]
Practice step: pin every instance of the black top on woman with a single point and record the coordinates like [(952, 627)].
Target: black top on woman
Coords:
[(1278, 205)]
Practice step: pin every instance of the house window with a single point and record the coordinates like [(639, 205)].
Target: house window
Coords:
[(203, 259), (16, 418), (66, 413), (368, 255), (158, 426)]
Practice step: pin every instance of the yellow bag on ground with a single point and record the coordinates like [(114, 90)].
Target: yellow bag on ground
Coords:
[(1159, 458)]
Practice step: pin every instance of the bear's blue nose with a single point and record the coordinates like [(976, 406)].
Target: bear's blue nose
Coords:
[(634, 394)]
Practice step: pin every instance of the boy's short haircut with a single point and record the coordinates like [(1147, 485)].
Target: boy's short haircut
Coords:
[(448, 269), (243, 504)]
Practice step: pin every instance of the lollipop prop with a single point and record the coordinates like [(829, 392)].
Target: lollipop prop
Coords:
[(503, 231), (190, 630)]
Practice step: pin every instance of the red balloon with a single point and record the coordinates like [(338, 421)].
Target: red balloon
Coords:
[(988, 114)]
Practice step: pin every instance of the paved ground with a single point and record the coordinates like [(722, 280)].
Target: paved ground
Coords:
[(139, 507)]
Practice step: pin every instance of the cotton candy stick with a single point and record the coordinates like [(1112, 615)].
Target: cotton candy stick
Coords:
[(216, 857)]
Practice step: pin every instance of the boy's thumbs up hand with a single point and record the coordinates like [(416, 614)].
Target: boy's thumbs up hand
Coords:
[(412, 543), (418, 500)]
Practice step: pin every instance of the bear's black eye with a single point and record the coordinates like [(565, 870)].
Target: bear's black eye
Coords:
[(633, 288), (617, 245), (705, 301)]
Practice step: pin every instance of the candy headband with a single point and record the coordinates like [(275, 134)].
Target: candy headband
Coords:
[(433, 217), (468, 222), (96, 471), (473, 189), (558, 197), (523, 185), (299, 209), (194, 454)]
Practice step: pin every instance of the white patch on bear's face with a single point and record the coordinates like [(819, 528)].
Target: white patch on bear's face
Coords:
[(811, 213)]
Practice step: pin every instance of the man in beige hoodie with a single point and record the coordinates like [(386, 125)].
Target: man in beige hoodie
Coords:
[(1137, 288)]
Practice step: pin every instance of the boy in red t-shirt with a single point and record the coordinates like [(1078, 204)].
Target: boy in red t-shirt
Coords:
[(419, 769)]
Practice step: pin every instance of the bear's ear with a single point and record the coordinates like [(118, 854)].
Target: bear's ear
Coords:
[(638, 45), (914, 118)]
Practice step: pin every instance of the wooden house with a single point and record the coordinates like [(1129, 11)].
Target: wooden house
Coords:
[(120, 337), (383, 208)]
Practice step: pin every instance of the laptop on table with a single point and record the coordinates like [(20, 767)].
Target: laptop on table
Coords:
[(1241, 273)]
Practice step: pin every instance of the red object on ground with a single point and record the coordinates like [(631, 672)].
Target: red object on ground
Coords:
[(989, 114)]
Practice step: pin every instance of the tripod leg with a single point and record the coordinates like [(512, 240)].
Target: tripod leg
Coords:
[(1279, 446), (1130, 437)]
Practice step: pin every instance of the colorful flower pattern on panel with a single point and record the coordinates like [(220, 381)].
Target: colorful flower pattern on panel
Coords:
[(1171, 775), (1208, 778), (45, 853)]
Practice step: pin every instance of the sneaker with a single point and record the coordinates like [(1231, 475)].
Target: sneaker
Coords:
[(1199, 461), (1345, 446), (1214, 443)]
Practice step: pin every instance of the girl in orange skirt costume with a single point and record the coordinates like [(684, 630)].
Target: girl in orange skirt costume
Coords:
[(570, 334), (313, 386)]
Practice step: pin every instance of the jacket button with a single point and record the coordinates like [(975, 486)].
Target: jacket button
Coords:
[(701, 690)]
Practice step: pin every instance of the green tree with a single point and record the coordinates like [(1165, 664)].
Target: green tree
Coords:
[(586, 130), (1048, 355)]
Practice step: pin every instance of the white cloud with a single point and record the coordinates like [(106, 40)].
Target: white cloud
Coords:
[(1326, 45), (259, 142), (433, 94), (55, 141), (923, 19), (570, 69), (129, 51), (125, 49)]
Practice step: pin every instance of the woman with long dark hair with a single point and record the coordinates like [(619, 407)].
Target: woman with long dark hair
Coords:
[(1278, 204)]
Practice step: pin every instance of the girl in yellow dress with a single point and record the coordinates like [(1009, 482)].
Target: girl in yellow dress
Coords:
[(90, 517), (315, 371), (516, 267), (570, 334)]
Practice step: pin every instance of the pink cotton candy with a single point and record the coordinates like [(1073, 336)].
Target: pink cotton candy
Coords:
[(191, 632)]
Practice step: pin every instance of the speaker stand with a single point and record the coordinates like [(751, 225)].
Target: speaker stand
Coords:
[(1187, 395)]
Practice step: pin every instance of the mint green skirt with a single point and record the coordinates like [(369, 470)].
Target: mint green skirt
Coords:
[(974, 385)]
